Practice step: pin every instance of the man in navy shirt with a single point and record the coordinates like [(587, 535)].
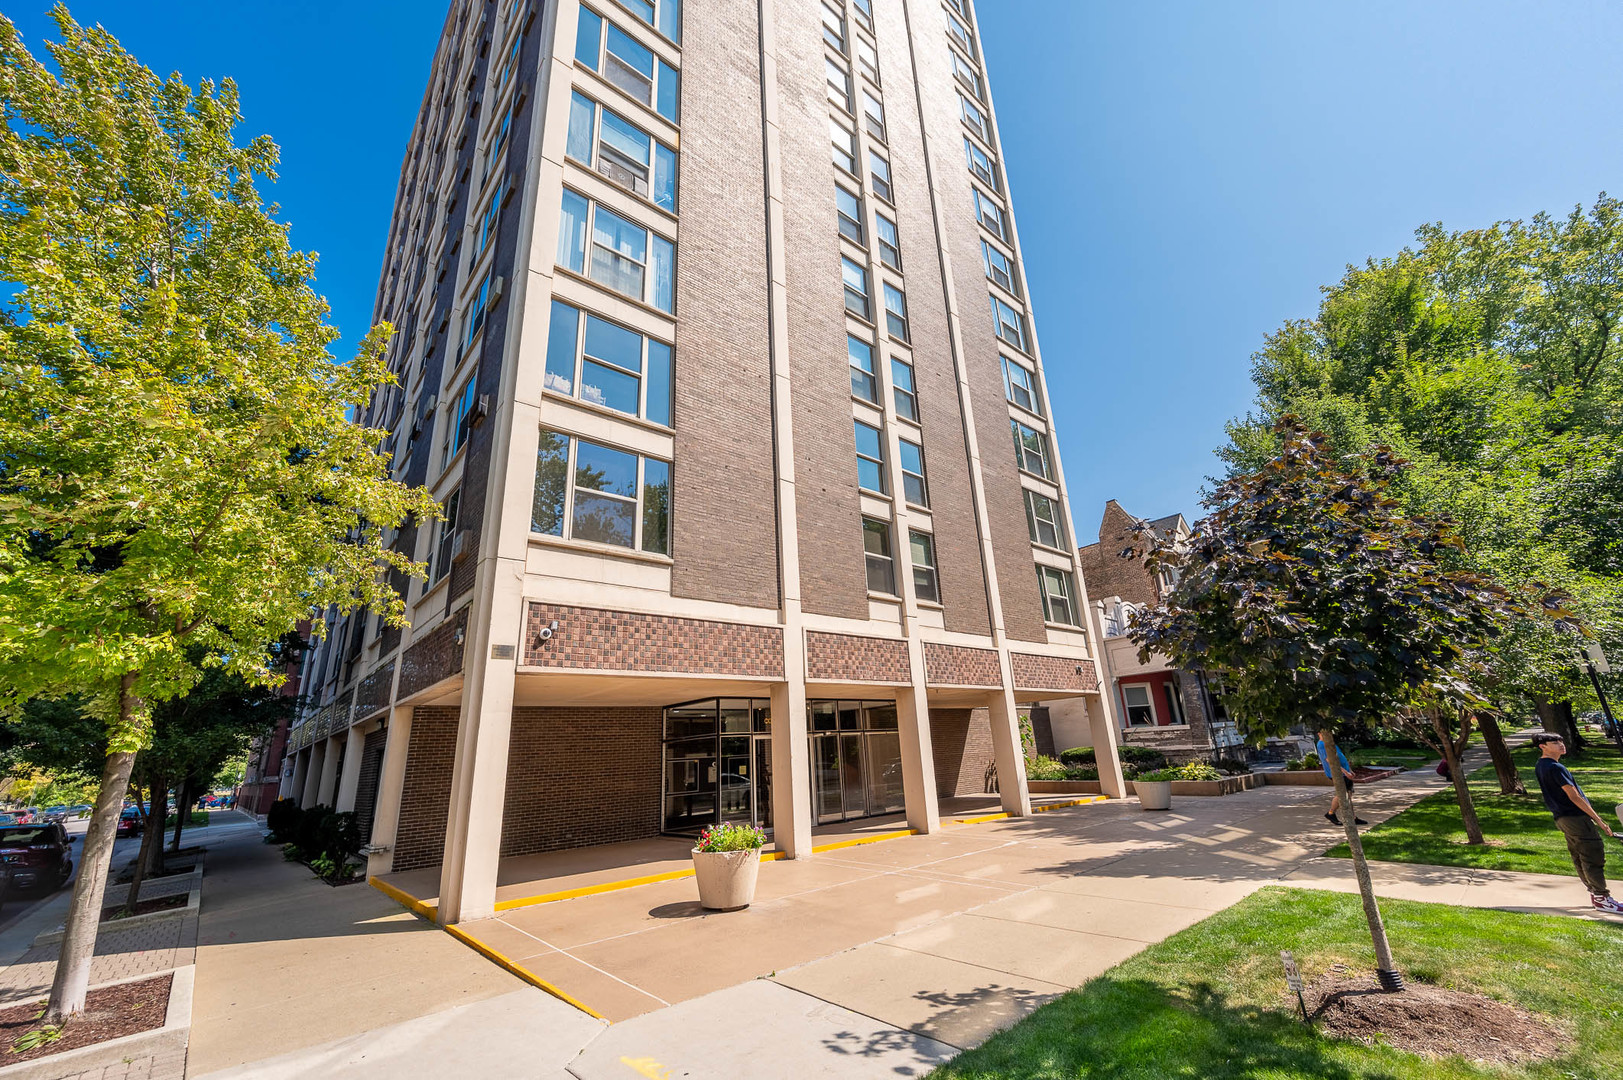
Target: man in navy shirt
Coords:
[(1576, 819)]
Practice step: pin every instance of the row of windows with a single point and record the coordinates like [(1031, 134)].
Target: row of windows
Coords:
[(601, 362), (601, 495), (627, 63), (616, 253), (600, 138)]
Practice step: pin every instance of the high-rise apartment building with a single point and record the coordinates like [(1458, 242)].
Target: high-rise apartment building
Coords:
[(713, 341)]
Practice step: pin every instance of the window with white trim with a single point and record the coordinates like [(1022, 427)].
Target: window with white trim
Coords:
[(977, 120), (839, 84), (967, 75), (601, 495), (627, 63), (458, 421), (990, 215), (1059, 595), (981, 164), (910, 456), (876, 549), (870, 458), (603, 140), (873, 115), (901, 388), (1011, 324), (848, 207), (447, 535), (834, 28), (864, 382), (895, 311), (1030, 450), (857, 300), (890, 241), (864, 10), (999, 267), (868, 59), (960, 33), (663, 15), (621, 255), (474, 320), (1140, 708), (595, 360), (925, 585), (1043, 519), (879, 176), (1020, 386), (845, 146)]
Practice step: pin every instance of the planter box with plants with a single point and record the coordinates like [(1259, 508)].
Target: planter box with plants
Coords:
[(1154, 789), (726, 862), (327, 841), (1076, 773)]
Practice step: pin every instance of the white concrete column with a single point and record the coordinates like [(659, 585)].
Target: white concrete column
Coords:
[(392, 779), (350, 778), (1013, 792), (329, 772), (312, 774), (918, 754), (791, 765), (1106, 743)]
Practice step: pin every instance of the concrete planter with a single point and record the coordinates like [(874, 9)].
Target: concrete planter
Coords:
[(1065, 787), (1153, 794), (726, 878), (1300, 778), (1228, 785), (171, 1037)]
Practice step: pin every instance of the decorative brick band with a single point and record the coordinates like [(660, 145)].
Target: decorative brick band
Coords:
[(959, 665), (595, 638), (851, 658), (434, 658), (373, 694), (1033, 672)]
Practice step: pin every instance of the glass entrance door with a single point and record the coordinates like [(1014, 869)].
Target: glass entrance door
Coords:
[(826, 798)]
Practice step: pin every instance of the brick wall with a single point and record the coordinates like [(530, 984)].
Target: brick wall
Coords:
[(577, 777), (723, 471), (1104, 569), (594, 638), (957, 665), (373, 693), (366, 788), (425, 796), (962, 743), (849, 657), (1052, 672), (434, 657)]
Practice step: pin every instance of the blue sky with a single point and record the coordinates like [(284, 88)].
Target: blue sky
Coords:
[(1186, 175)]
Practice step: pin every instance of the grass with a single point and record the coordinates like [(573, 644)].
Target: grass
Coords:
[(1430, 830), (1380, 755), (1210, 1002)]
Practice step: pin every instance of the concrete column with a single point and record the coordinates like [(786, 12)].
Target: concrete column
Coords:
[(1006, 750), (392, 779), (312, 774), (329, 772), (918, 754), (350, 778), (293, 786), (1106, 743), (791, 765)]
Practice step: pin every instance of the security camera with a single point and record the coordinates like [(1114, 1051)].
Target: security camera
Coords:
[(546, 633)]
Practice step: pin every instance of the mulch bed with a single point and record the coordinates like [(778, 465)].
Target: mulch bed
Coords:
[(145, 907), (110, 1013), (1430, 1020)]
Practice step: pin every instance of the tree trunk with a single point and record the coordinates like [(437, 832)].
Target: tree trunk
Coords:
[(84, 913), (1556, 716), (160, 812), (1366, 888), (144, 859), (1510, 781), (183, 810), (1456, 772)]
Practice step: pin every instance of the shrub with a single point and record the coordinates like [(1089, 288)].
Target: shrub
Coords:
[(729, 836), (283, 819), (340, 837), (291, 853), (1140, 756), (308, 834), (1078, 755), (1046, 768), (1195, 770), (324, 866), (1157, 775)]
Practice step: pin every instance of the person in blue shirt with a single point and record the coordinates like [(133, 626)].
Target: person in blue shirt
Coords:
[(1576, 819), (1346, 771)]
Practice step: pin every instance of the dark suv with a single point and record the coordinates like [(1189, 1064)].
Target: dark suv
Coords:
[(35, 856)]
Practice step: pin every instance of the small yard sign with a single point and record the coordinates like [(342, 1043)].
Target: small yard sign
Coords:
[(1293, 979)]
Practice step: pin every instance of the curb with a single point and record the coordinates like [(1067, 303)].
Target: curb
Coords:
[(193, 903), (173, 1035)]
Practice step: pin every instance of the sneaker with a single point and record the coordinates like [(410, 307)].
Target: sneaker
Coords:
[(1359, 821), (1606, 904), (1333, 819)]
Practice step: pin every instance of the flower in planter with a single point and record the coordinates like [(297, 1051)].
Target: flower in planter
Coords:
[(730, 837)]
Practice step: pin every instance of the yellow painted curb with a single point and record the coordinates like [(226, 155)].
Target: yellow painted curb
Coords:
[(411, 903), (520, 970), (1084, 801), (590, 890)]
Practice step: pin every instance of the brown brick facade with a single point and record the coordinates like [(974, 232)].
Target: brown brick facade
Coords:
[(851, 658), (1107, 571), (961, 740), (577, 777), (433, 658), (957, 665), (425, 795), (597, 639), (1052, 673)]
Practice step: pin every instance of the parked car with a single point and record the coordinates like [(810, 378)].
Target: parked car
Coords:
[(56, 813), (81, 810), (36, 857), (129, 822), (8, 817)]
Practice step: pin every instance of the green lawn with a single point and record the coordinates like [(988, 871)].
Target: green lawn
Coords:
[(1430, 830), (1209, 1003), (1409, 759)]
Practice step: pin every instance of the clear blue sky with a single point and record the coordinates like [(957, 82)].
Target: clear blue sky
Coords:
[(1186, 175)]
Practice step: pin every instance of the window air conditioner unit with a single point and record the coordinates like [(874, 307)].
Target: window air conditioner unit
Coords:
[(481, 409), (461, 545)]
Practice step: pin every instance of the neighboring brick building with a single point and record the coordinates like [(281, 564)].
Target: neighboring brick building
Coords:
[(269, 769), (1158, 705), (723, 372)]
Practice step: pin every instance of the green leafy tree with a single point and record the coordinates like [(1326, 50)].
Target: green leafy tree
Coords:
[(180, 475), (1317, 601)]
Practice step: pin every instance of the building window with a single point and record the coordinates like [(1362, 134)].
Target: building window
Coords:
[(856, 288), (873, 115), (881, 563), (608, 365), (474, 320), (890, 242), (895, 311), (1140, 713), (1059, 605), (1030, 449), (442, 548), (839, 84), (967, 75), (901, 388), (834, 28), (914, 488), (879, 174), (663, 15), (925, 586), (585, 491), (1020, 385), (999, 267), (975, 118), (849, 208), (960, 33), (864, 383), (870, 458), (845, 146), (868, 57), (459, 421), (864, 10), (1011, 325), (486, 229), (625, 256), (990, 215), (627, 63), (981, 164), (1042, 517), (623, 152)]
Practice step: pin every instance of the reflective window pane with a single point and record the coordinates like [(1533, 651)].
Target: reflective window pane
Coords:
[(656, 506), (562, 334), (614, 344), (659, 382), (551, 478), (609, 387)]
